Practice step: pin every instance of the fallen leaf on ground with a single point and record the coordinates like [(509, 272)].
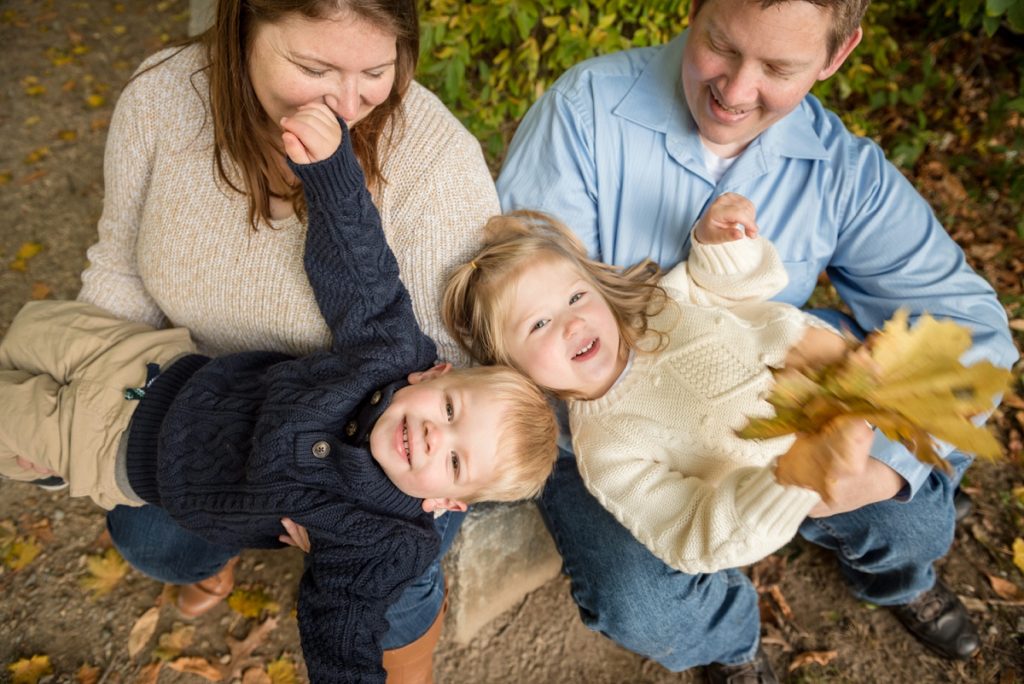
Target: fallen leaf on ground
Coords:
[(149, 674), (255, 675), (1005, 588), (30, 670), (817, 657), (40, 290), (1018, 553), (197, 666), (142, 631), (282, 671), (781, 602), (87, 674), (105, 572), (251, 602), (21, 552), (241, 651), (174, 642), (27, 251)]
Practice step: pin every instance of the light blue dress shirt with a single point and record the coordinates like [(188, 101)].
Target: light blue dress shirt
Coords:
[(612, 150)]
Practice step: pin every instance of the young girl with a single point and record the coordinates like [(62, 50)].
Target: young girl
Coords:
[(659, 372)]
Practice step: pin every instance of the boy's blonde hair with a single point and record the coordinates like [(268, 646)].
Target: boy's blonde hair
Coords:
[(527, 436), (479, 296)]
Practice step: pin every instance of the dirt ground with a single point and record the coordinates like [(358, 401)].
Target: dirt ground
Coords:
[(65, 62)]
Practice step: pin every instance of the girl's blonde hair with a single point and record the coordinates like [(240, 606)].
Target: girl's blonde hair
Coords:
[(479, 294)]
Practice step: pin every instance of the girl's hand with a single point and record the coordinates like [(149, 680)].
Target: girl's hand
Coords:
[(729, 218), (296, 536), (312, 134)]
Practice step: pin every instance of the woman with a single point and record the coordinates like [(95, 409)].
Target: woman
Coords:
[(203, 225)]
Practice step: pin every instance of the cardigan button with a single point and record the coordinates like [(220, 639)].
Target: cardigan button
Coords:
[(351, 427), (375, 398), (321, 449)]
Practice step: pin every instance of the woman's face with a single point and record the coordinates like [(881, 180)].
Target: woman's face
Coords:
[(344, 62)]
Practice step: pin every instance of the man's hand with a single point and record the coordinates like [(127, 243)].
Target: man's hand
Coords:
[(312, 134), (828, 462), (877, 483), (729, 218)]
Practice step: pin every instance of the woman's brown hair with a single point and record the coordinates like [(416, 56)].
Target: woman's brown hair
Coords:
[(242, 132)]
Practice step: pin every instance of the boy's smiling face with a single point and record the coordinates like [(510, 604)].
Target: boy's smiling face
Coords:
[(438, 439)]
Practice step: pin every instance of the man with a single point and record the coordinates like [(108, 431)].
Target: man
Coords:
[(629, 149)]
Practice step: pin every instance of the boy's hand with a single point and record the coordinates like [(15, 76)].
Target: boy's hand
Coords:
[(312, 134), (830, 461), (729, 218)]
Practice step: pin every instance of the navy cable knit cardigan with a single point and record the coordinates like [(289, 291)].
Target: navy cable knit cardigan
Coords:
[(230, 445)]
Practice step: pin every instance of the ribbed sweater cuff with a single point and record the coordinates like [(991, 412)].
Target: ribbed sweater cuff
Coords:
[(774, 510), (738, 256), (338, 176), (144, 432)]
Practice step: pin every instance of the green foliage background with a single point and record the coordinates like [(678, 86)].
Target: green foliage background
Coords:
[(490, 60)]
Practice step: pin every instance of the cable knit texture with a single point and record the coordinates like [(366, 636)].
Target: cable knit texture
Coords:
[(659, 451), (175, 245), (244, 439)]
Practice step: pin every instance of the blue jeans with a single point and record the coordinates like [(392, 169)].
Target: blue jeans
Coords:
[(885, 551), (154, 544)]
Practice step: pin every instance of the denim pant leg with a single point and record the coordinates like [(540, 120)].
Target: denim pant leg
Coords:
[(626, 593), (886, 550), (415, 610), (156, 545)]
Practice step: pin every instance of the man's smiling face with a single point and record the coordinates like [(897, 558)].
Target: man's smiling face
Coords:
[(745, 67)]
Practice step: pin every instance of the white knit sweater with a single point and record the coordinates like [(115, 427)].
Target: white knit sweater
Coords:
[(659, 451), (175, 245)]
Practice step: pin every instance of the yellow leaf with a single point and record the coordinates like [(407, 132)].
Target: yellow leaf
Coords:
[(20, 553), (5, 177), (142, 631), (31, 120), (67, 135), (79, 49), (95, 101), (175, 641), (282, 671), (1019, 493), (30, 670), (1018, 553), (120, 30), (26, 251), (37, 155), (908, 382), (252, 602), (35, 90), (104, 572)]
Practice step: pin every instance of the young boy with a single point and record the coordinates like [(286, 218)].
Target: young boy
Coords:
[(358, 444)]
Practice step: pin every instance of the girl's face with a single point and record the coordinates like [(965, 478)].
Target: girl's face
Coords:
[(561, 332), (344, 62)]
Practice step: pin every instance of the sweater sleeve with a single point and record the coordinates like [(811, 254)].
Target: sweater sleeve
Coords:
[(351, 268), (693, 525), (112, 281), (352, 575), (728, 273)]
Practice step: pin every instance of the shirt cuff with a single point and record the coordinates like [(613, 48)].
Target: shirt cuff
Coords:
[(906, 465)]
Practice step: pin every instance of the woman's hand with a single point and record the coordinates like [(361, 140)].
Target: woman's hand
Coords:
[(296, 535), (312, 134)]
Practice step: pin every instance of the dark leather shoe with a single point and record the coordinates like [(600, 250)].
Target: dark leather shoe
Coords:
[(199, 598), (962, 504), (757, 671), (939, 620)]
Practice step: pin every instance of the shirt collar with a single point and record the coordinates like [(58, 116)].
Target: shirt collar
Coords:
[(647, 105), (357, 429)]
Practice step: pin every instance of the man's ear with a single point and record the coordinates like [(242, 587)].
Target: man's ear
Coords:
[(841, 54), (432, 505), (429, 374)]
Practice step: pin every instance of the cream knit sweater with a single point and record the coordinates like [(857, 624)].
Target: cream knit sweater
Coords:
[(175, 245), (658, 450)]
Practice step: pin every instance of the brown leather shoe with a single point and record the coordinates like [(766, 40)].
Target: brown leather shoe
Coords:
[(414, 663), (199, 598)]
